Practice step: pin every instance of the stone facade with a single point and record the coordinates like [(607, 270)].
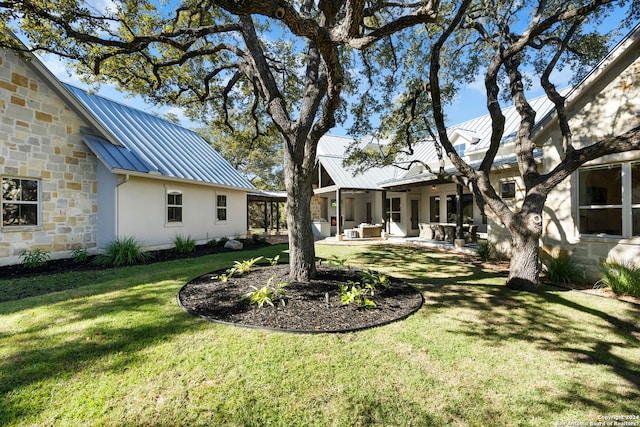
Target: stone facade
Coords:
[(40, 141)]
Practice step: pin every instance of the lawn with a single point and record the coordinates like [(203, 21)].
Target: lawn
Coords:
[(117, 350)]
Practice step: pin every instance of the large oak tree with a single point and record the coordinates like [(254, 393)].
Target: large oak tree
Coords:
[(289, 59), (283, 58)]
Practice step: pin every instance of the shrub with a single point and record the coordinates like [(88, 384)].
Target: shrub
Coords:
[(561, 269), (80, 255), (34, 258), (222, 241), (184, 245), (485, 250), (623, 277), (258, 238), (212, 243), (123, 252)]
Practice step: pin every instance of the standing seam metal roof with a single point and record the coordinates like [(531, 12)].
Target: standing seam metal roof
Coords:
[(151, 144)]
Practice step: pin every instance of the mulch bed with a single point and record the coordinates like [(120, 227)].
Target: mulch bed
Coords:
[(69, 264), (310, 307)]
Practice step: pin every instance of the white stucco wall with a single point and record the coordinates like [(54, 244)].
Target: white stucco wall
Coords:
[(148, 221)]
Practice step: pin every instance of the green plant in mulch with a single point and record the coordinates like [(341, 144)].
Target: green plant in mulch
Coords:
[(125, 251), (34, 258), (274, 261), (269, 294), (359, 292), (354, 292), (184, 245), (80, 255), (623, 277), (338, 261), (561, 269), (239, 268)]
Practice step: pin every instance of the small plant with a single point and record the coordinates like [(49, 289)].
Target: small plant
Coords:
[(355, 293), (623, 277), (34, 258), (485, 250), (184, 245), (373, 280), (80, 255), (221, 241), (336, 260), (274, 261), (561, 269), (122, 252), (243, 267), (212, 243), (268, 294)]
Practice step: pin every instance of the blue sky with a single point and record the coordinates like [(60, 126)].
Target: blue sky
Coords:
[(470, 102)]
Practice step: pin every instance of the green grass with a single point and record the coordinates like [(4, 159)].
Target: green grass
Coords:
[(117, 350)]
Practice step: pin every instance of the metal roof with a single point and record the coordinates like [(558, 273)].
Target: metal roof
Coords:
[(344, 178), (149, 144)]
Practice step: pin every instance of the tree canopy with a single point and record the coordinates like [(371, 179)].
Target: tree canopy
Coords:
[(295, 61)]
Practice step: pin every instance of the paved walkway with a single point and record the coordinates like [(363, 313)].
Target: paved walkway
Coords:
[(469, 248)]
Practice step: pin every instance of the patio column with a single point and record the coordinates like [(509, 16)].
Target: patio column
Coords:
[(459, 232), (277, 218), (266, 229), (338, 214), (385, 220)]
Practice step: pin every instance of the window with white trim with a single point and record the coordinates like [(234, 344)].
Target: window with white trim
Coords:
[(174, 206), (221, 207), (20, 201), (609, 200)]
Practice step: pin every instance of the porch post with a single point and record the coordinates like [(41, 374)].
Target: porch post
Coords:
[(266, 230), (385, 220), (278, 218), (338, 214), (459, 232)]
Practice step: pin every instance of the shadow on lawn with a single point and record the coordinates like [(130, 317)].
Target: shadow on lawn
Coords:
[(129, 322), (551, 319)]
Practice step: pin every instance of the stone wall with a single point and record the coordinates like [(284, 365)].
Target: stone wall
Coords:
[(40, 140)]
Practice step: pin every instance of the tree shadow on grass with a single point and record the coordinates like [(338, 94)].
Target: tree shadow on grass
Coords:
[(144, 318), (583, 329), (552, 321)]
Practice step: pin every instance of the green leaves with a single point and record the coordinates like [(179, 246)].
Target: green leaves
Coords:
[(269, 294)]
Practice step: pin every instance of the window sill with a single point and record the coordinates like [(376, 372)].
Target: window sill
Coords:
[(608, 238), (21, 228), (173, 224)]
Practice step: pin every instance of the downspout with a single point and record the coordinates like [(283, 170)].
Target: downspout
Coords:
[(117, 204)]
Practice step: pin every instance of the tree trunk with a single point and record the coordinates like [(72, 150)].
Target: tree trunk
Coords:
[(524, 267), (302, 252)]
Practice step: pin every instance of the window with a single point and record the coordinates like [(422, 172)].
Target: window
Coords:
[(508, 190), (600, 200), (174, 206), (460, 149), (393, 209), (221, 208), (20, 201)]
